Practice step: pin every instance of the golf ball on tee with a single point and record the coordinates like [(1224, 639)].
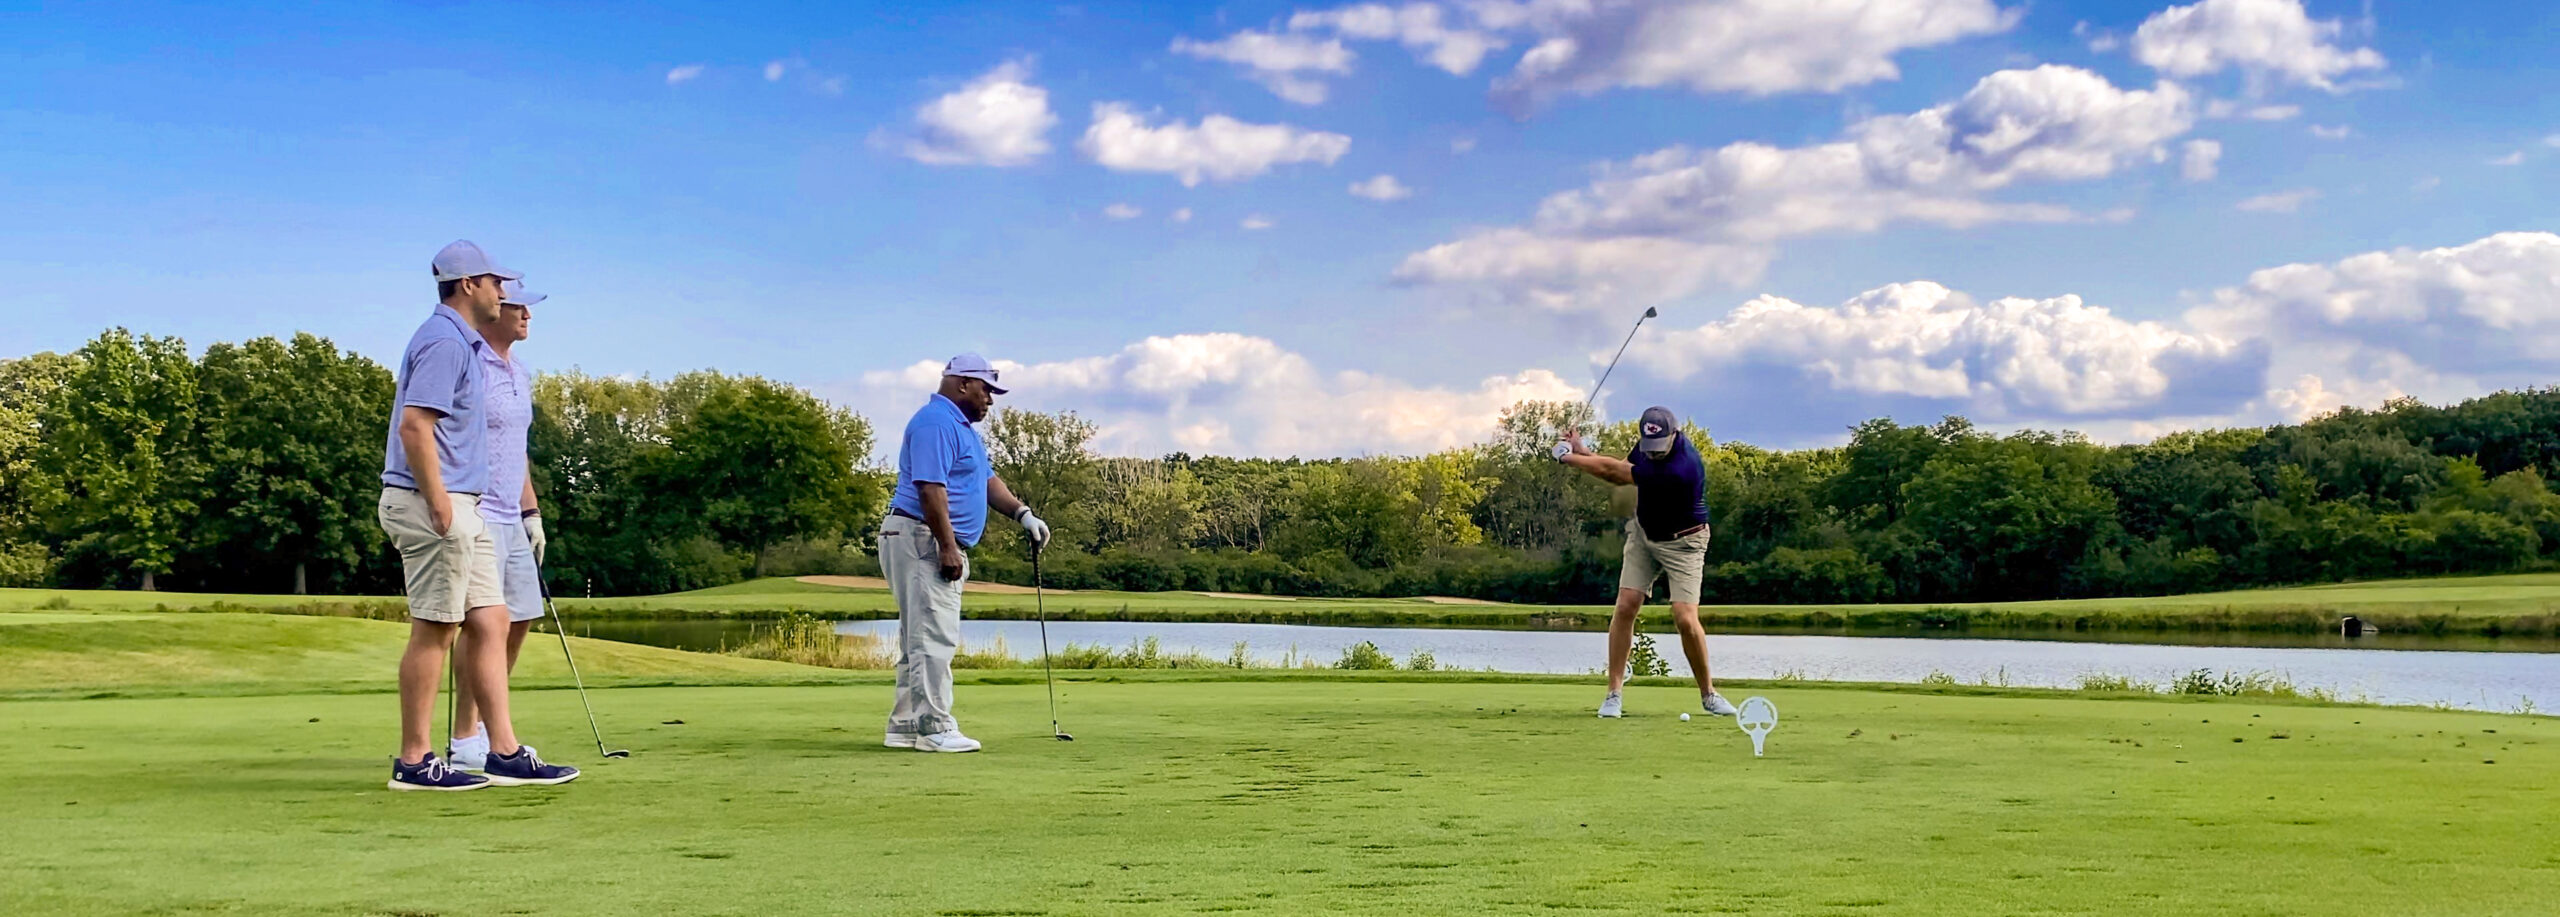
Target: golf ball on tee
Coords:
[(1684, 717)]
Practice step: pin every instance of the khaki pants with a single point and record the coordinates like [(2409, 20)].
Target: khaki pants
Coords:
[(446, 573), (928, 625), (1683, 559)]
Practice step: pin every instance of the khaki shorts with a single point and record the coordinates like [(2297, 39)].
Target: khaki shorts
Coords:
[(1683, 559), (447, 574)]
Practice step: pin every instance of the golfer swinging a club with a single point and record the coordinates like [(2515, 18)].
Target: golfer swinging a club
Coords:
[(945, 485), (1667, 537)]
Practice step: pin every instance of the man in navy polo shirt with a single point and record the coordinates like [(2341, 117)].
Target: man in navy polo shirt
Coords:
[(945, 485), (1666, 539), (435, 466)]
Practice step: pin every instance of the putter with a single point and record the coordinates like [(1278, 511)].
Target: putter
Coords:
[(1040, 605), (562, 629)]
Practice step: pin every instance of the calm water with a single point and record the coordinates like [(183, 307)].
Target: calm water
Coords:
[(2471, 679)]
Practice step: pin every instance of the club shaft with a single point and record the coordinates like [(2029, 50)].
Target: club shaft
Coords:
[(1613, 364), (1040, 606), (561, 629)]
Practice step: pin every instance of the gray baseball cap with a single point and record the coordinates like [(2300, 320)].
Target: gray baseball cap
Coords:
[(464, 260), (512, 293), (1657, 430), (973, 366)]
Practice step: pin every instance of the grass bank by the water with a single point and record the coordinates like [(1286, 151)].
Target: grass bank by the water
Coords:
[(2525, 605), (1292, 797)]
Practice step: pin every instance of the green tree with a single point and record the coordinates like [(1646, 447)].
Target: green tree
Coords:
[(120, 450), (2015, 512), (292, 443), (756, 464)]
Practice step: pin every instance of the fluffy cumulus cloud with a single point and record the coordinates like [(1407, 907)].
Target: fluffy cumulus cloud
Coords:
[(1219, 148), (998, 119), (1276, 60), (1381, 188), (2270, 41), (684, 74), (1426, 28), (1233, 394), (2490, 308), (2007, 360), (1642, 226), (1756, 47), (2200, 159)]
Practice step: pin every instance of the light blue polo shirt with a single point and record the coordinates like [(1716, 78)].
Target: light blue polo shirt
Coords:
[(440, 371), (510, 413), (941, 447)]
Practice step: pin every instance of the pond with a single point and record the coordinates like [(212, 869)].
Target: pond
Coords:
[(2465, 678)]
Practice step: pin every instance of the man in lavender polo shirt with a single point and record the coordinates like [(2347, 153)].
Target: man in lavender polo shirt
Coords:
[(435, 467), (508, 507)]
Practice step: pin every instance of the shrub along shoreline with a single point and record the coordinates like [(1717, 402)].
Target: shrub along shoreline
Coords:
[(2522, 607)]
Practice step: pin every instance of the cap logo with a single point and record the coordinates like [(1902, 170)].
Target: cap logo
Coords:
[(1653, 429)]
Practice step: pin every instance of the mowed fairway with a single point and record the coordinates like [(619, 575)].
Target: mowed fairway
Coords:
[(1293, 797)]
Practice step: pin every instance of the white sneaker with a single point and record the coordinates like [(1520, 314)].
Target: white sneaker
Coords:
[(1717, 706), (898, 739), (1612, 708), (951, 741), (469, 754)]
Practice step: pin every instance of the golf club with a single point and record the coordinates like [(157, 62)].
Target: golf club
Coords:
[(562, 629), (1613, 361), (1039, 603)]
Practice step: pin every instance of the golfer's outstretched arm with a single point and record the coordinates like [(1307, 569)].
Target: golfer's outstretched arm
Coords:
[(1001, 498), (1614, 471)]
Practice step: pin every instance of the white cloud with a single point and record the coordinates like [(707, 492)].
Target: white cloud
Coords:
[(2511, 159), (2270, 41), (1233, 394), (1422, 27), (2340, 132), (1256, 221), (998, 119), (1219, 148), (2224, 108), (773, 70), (1757, 47), (2200, 159), (2005, 360), (684, 73), (1567, 274), (2426, 184), (1686, 216), (1381, 188), (2278, 202), (1276, 60), (1182, 215), (2099, 41), (1123, 212), (1462, 145), (2442, 323), (2552, 141)]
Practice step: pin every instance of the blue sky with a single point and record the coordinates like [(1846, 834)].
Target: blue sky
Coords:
[(766, 188)]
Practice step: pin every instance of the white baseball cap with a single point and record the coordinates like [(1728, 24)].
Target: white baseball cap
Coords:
[(512, 293), (464, 260), (973, 366)]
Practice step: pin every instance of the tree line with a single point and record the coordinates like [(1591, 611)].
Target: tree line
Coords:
[(255, 468)]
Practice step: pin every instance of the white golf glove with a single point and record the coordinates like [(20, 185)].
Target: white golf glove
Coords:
[(533, 535), (1563, 449), (1033, 527)]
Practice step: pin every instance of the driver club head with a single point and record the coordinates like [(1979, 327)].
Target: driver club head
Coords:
[(1650, 313), (1063, 737), (618, 753)]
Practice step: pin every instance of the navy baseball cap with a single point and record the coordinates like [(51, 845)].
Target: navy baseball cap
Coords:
[(1657, 430)]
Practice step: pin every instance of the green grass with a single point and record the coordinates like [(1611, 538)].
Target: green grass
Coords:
[(1293, 797), (2510, 605)]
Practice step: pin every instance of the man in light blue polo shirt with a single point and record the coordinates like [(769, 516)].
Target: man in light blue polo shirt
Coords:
[(939, 510), (435, 466), (508, 507)]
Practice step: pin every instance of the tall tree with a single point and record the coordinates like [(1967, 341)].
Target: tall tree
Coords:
[(755, 465), (27, 384), (293, 457), (120, 446)]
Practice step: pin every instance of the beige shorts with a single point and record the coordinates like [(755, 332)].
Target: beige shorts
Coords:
[(1683, 559), (447, 574)]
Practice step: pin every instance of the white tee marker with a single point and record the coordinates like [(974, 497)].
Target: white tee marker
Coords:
[(1757, 717)]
